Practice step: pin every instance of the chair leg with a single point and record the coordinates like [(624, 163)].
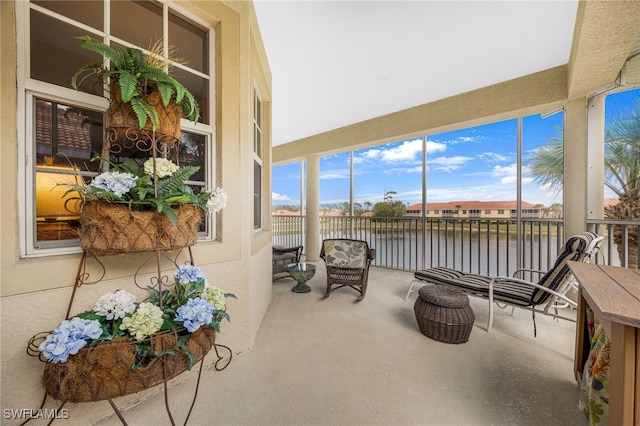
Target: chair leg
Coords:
[(363, 291), (490, 322), (410, 288)]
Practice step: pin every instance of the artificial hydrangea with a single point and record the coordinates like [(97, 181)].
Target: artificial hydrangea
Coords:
[(145, 321), (203, 306), (68, 338), (115, 305), (117, 182), (217, 201), (195, 313), (215, 296), (164, 167), (186, 274)]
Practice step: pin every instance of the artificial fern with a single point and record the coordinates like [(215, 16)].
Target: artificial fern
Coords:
[(127, 83), (171, 214), (171, 184), (100, 48), (137, 76)]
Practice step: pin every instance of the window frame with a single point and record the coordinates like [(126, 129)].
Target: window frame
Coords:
[(29, 89), (257, 154)]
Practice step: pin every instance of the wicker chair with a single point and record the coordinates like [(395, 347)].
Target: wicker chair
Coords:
[(347, 263), (282, 256)]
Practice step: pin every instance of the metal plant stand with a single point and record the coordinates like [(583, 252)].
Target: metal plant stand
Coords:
[(124, 143)]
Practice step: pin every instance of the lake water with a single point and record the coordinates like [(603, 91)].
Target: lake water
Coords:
[(484, 253)]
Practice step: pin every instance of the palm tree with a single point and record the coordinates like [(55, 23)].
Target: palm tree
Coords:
[(622, 173), (556, 210)]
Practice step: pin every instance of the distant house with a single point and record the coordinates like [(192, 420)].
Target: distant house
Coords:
[(333, 212), (475, 209), (610, 202)]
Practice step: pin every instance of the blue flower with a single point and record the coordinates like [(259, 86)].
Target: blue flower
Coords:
[(189, 274), (195, 313), (68, 338)]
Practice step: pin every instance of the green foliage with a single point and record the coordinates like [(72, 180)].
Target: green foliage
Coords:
[(137, 78), (622, 156), (389, 209), (160, 193), (171, 185)]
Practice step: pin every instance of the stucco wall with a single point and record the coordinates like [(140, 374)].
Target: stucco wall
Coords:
[(36, 291)]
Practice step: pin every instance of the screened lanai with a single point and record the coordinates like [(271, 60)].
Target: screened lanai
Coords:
[(570, 98)]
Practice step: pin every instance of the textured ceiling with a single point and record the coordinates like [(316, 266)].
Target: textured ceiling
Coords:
[(335, 63)]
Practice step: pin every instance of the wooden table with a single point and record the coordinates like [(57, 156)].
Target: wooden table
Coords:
[(614, 295)]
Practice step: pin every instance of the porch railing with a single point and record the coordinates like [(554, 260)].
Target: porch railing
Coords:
[(622, 245), (494, 247)]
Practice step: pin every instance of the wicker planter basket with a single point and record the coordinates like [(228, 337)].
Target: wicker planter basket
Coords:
[(108, 227), (123, 121), (104, 371)]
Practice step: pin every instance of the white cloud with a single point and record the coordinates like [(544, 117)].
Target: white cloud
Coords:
[(463, 139), (506, 174), (279, 197), (448, 164), (493, 157), (402, 170), (335, 174), (433, 147), (407, 152)]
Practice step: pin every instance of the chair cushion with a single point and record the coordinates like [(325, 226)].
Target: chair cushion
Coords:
[(438, 275), (346, 253), (284, 258), (573, 249), (504, 289)]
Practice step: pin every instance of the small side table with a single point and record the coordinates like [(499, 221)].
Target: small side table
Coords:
[(301, 272), (444, 314)]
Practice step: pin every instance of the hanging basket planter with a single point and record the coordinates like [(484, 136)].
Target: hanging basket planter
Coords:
[(108, 369), (112, 227), (122, 120)]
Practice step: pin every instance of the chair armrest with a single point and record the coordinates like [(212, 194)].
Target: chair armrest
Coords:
[(529, 283), (372, 254), (533, 271)]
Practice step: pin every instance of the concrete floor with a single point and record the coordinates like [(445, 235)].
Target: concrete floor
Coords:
[(320, 361)]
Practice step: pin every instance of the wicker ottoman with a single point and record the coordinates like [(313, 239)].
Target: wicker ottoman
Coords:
[(443, 314)]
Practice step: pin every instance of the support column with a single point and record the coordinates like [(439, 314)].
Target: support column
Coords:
[(595, 155), (312, 243), (575, 167)]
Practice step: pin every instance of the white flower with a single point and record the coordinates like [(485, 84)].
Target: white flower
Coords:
[(144, 322), (164, 167), (214, 296), (115, 305), (217, 201)]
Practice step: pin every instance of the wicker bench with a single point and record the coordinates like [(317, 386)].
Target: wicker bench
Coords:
[(282, 256), (443, 314)]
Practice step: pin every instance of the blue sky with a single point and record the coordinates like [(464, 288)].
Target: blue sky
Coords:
[(477, 163)]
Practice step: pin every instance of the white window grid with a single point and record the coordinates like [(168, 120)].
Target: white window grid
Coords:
[(29, 89)]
